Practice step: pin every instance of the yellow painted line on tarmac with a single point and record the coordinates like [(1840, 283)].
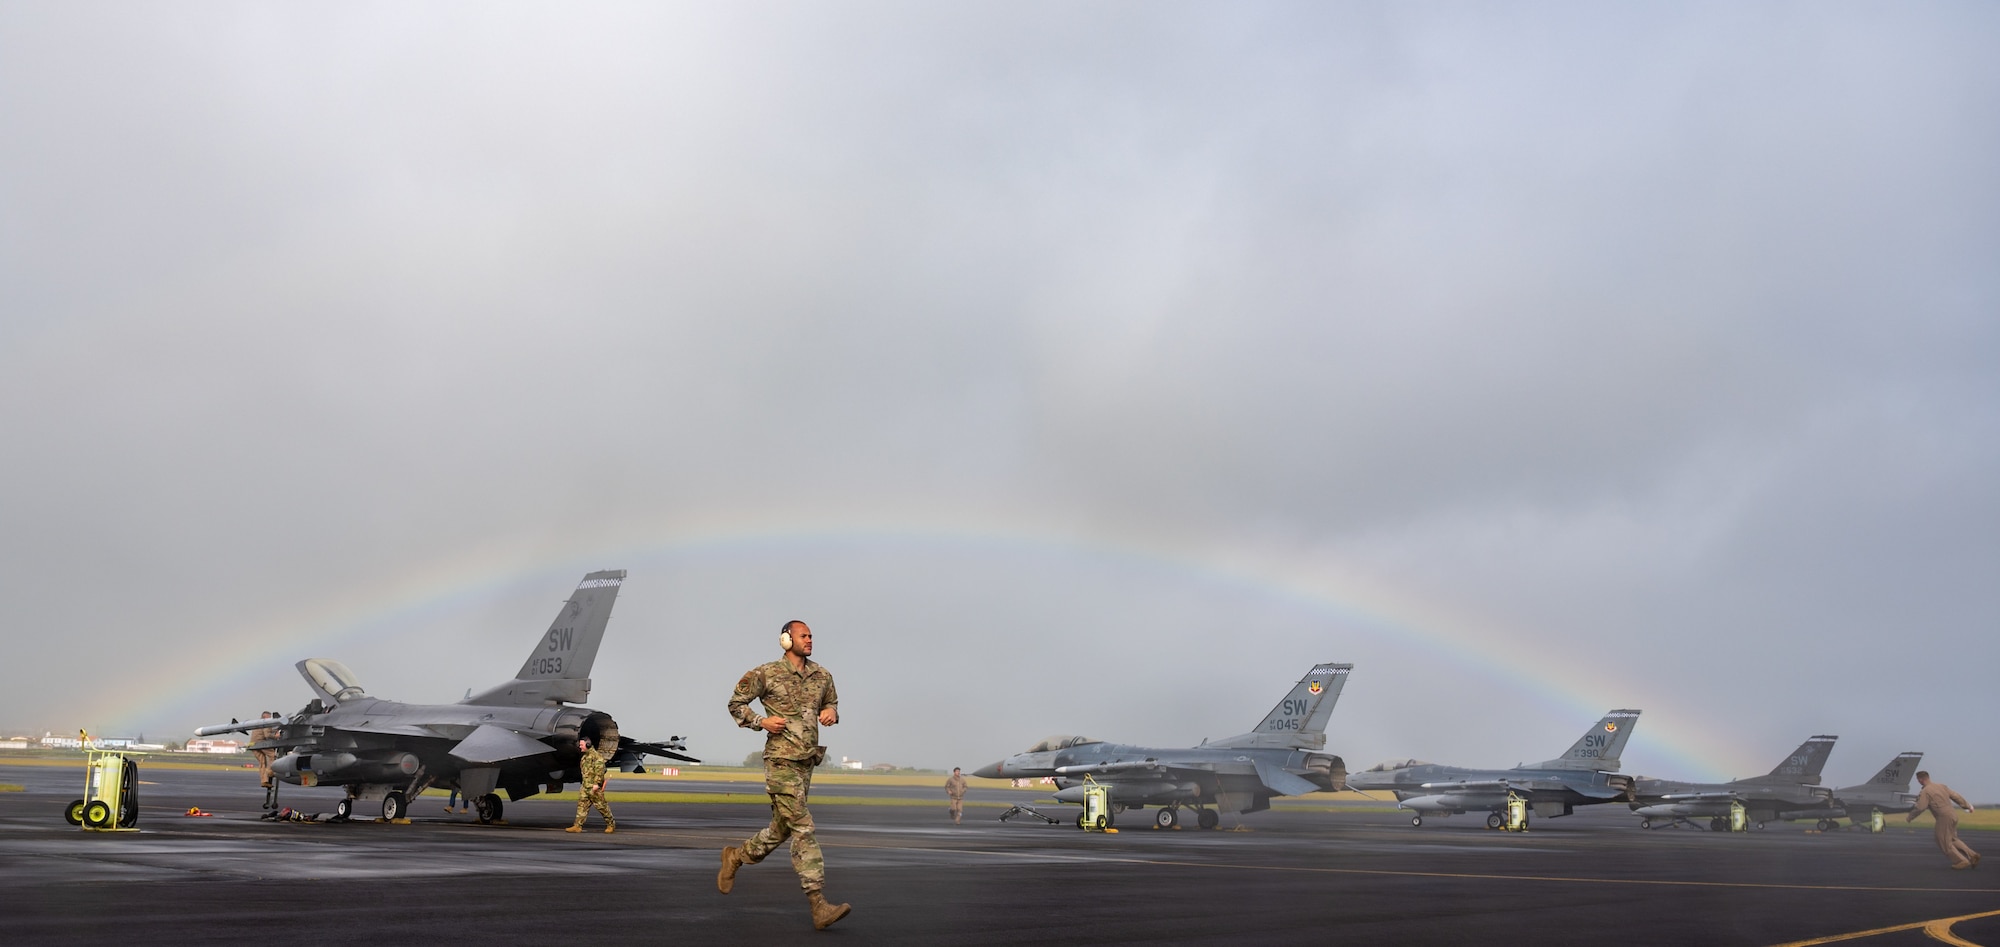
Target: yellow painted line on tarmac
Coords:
[(1939, 929)]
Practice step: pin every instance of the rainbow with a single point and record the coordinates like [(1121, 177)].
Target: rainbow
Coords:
[(1345, 598)]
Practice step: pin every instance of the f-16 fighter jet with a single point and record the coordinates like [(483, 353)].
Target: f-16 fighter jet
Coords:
[(1281, 757), (518, 737), (1789, 790), (1887, 791), (1586, 775)]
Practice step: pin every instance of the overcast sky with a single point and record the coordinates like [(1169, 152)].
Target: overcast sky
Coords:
[(1072, 367)]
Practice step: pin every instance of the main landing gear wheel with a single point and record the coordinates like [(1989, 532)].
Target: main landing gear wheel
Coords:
[(1494, 821), (1417, 821), (1824, 825), (344, 809), (1207, 818), (394, 806), (1166, 818), (1718, 824), (488, 807), (73, 814), (1759, 826)]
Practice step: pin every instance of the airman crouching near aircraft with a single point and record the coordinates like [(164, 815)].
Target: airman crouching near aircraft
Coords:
[(955, 788), (1937, 799), (591, 793), (265, 757), (799, 698)]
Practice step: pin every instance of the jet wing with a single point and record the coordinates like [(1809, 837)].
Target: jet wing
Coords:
[(491, 744), (1282, 782), (660, 749)]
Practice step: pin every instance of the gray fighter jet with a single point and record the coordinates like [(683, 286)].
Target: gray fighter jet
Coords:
[(1888, 791), (519, 737), (1586, 775), (1790, 790), (1281, 757)]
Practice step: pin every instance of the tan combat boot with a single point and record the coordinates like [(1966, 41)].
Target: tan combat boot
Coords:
[(732, 859), (574, 828), (610, 827), (825, 914)]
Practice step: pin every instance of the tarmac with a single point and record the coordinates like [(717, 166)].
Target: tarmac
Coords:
[(1293, 875)]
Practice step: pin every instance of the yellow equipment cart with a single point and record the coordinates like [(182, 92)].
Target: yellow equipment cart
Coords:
[(110, 800)]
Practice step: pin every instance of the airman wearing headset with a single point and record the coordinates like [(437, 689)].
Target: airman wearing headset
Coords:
[(799, 699)]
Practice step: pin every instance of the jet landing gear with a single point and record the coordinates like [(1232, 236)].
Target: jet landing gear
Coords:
[(394, 806), (488, 809), (1169, 817)]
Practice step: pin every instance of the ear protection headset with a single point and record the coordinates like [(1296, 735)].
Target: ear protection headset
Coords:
[(785, 636)]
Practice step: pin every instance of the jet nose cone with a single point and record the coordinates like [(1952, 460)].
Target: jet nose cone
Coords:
[(989, 771)]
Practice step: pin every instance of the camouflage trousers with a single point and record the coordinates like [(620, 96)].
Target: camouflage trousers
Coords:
[(591, 796), (787, 782)]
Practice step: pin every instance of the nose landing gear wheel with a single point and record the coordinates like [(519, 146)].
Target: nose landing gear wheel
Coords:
[(1416, 821), (1166, 818), (1207, 818), (1645, 823)]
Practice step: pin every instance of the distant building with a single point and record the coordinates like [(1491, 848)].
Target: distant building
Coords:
[(14, 743), (846, 763), (214, 746)]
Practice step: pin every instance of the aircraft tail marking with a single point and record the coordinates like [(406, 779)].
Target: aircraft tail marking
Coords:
[(1899, 772), (1299, 720), (1803, 766), (558, 669), (1600, 747)]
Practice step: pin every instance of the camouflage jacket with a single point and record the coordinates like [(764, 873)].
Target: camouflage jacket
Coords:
[(593, 769), (797, 696)]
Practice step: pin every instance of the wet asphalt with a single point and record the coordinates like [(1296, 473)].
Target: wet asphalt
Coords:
[(1288, 876)]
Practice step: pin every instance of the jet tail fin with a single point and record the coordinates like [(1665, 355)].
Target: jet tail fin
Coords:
[(558, 669), (1600, 747), (1803, 767), (1299, 720), (1898, 773)]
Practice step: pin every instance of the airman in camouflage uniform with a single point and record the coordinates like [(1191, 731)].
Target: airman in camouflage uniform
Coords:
[(799, 698), (591, 793)]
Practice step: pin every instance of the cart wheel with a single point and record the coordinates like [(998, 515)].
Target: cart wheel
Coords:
[(1080, 823), (1103, 822), (73, 814), (97, 814)]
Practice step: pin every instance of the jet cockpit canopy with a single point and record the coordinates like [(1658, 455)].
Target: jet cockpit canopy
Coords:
[(332, 679), (1060, 742), (1387, 766)]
